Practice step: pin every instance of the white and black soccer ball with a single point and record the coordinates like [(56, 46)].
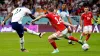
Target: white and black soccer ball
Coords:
[(85, 47)]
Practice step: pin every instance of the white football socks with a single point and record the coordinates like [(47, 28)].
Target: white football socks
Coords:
[(32, 32), (22, 43)]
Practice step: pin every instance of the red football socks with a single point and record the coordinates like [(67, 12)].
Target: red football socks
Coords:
[(83, 34), (53, 43), (88, 36), (73, 38)]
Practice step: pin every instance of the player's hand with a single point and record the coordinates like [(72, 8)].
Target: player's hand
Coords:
[(74, 27), (32, 23), (80, 28), (3, 23)]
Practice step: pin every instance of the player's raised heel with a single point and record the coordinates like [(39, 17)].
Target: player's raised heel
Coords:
[(70, 42), (24, 50), (41, 34), (55, 51)]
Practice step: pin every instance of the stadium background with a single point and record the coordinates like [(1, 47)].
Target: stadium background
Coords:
[(9, 42), (38, 7)]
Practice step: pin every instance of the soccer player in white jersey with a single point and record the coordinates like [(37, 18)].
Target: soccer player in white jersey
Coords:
[(28, 30), (16, 23), (63, 12)]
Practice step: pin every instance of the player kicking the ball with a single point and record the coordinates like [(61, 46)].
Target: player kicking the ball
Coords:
[(59, 25), (86, 19), (16, 22)]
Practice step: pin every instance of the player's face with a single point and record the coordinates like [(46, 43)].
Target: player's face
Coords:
[(55, 11), (63, 6), (86, 9)]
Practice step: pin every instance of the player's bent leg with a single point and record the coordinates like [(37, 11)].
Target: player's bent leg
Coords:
[(51, 40), (85, 31), (70, 41), (33, 32), (67, 30), (20, 31), (75, 39), (70, 34), (81, 36), (89, 33), (87, 37), (22, 43)]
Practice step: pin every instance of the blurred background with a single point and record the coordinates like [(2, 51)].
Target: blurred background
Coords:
[(38, 7)]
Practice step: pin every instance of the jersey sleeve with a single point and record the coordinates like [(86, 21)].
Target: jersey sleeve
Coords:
[(91, 15), (67, 13), (28, 11), (13, 11), (47, 15)]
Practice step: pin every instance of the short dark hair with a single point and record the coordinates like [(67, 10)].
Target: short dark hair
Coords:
[(16, 5), (24, 4), (51, 9), (86, 4)]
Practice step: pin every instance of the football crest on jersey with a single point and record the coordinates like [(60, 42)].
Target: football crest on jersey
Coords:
[(89, 14)]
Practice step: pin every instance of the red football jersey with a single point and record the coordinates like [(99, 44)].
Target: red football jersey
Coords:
[(87, 18), (56, 21)]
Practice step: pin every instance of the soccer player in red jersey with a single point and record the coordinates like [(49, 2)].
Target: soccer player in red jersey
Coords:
[(59, 25), (86, 22)]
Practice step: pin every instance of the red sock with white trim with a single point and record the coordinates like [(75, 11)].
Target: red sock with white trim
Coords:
[(73, 38), (53, 43), (88, 36)]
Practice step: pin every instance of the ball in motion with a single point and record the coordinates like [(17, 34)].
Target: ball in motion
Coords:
[(85, 47)]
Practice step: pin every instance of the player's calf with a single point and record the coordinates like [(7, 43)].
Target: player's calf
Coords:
[(51, 40), (75, 39)]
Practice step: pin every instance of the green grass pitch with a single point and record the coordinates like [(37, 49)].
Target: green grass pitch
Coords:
[(9, 46)]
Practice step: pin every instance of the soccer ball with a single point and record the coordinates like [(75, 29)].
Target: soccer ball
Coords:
[(85, 47)]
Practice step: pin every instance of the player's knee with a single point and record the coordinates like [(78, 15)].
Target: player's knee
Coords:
[(49, 38), (85, 32), (90, 32), (20, 35)]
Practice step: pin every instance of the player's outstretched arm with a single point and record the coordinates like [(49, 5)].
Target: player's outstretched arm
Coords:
[(67, 24), (81, 22), (31, 16), (69, 19), (9, 15), (39, 17), (95, 19)]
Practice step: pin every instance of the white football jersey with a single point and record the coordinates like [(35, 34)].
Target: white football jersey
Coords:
[(19, 13), (63, 14)]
